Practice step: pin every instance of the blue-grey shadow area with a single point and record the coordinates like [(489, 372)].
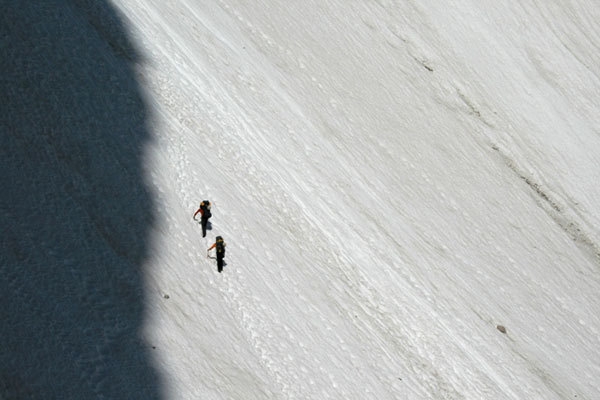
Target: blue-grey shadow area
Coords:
[(75, 209)]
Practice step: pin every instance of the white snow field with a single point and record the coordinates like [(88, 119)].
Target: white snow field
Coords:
[(395, 180)]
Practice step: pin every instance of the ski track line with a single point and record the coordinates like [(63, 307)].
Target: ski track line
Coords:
[(237, 294), (256, 330), (258, 333)]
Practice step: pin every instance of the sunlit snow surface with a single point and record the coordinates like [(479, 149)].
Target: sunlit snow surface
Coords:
[(394, 180)]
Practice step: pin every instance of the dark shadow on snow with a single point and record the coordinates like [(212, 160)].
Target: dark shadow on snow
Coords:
[(75, 211)]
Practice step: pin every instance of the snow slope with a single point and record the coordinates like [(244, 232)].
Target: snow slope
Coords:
[(394, 179)]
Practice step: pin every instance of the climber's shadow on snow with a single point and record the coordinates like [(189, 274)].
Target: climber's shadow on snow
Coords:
[(75, 209)]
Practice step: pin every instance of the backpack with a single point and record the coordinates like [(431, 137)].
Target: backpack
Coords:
[(205, 207), (220, 246)]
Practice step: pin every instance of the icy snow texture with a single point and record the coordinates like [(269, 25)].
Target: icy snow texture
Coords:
[(394, 180)]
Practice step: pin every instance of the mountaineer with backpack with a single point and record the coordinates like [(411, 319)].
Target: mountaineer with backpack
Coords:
[(220, 248), (205, 214)]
